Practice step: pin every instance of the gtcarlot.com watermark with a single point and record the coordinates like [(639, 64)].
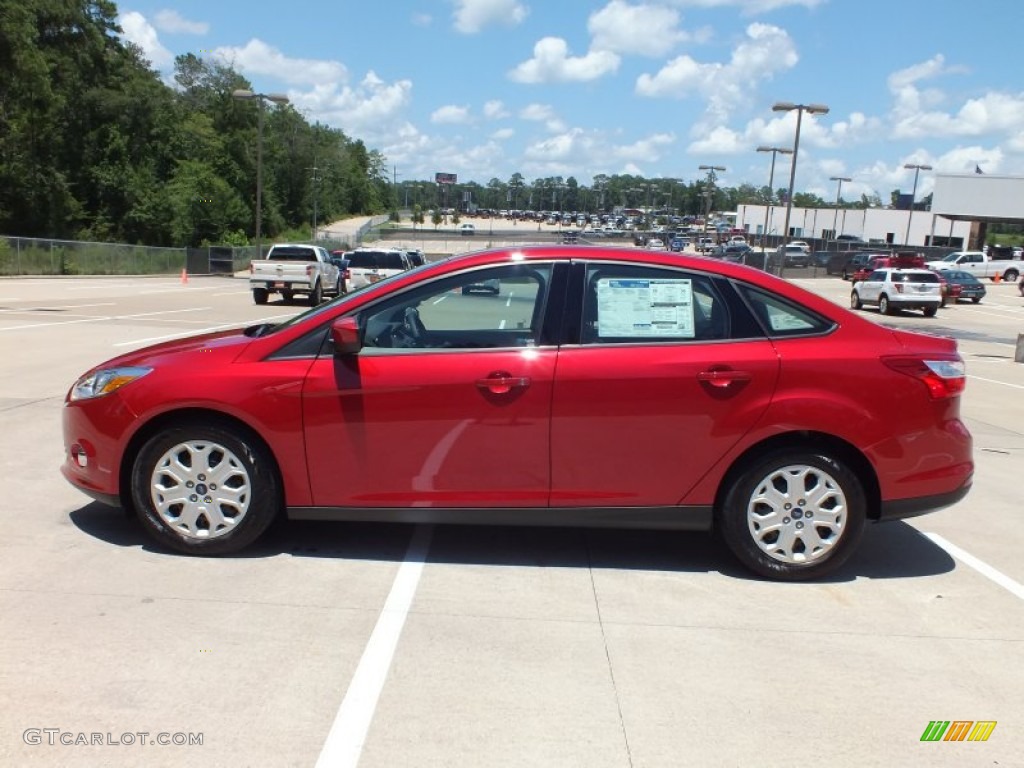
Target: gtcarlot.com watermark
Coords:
[(55, 737)]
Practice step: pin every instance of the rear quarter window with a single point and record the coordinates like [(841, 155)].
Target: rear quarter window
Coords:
[(781, 317)]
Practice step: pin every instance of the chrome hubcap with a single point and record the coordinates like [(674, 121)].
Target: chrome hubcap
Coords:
[(797, 514), (200, 489)]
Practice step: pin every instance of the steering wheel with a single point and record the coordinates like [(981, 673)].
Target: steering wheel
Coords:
[(412, 326)]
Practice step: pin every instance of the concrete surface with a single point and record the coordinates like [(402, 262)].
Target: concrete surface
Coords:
[(522, 647)]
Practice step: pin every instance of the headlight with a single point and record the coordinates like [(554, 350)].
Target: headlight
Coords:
[(105, 381)]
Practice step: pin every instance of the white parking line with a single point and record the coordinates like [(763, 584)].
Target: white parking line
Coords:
[(105, 317), (995, 381), (54, 307), (198, 331), (986, 570), (345, 740)]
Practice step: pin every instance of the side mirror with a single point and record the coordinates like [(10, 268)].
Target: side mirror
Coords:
[(345, 335)]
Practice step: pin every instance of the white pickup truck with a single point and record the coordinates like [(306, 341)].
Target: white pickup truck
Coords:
[(980, 265), (295, 269)]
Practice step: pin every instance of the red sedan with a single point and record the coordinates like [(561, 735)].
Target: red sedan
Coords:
[(596, 386)]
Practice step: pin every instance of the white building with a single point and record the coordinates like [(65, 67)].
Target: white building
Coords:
[(884, 225), (961, 204)]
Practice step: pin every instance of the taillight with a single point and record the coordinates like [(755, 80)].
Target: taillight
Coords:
[(309, 270), (898, 287), (251, 269), (944, 378)]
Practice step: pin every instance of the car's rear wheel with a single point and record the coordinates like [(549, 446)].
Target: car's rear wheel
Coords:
[(793, 515), (260, 295), (930, 311), (316, 295), (883, 305), (205, 490), (855, 302), (976, 299), (287, 296)]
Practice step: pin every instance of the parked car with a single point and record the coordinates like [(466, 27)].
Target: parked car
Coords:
[(963, 285), (467, 229), (846, 263), (793, 255), (616, 387), (736, 252), (340, 259), (367, 266), (895, 289), (416, 257)]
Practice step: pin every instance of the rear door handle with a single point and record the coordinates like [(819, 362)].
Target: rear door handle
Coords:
[(502, 382), (723, 378)]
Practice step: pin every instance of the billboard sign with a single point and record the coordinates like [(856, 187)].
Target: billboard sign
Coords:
[(445, 178)]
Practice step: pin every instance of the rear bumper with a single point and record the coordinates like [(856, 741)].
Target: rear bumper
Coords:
[(899, 509)]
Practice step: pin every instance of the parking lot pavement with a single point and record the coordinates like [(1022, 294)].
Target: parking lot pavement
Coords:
[(499, 646)]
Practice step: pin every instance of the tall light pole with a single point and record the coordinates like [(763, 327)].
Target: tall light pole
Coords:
[(811, 109), (709, 193), (261, 99), (917, 169), (771, 185), (839, 192)]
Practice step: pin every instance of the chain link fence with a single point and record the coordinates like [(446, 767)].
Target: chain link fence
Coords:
[(37, 256)]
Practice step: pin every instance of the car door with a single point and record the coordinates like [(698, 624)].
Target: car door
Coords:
[(667, 374), (870, 289), (447, 404)]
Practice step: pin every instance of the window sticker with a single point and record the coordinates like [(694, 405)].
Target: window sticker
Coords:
[(645, 308)]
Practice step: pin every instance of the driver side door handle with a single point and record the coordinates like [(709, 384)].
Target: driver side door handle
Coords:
[(502, 382)]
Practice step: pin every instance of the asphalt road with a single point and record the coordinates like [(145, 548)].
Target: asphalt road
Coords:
[(390, 645)]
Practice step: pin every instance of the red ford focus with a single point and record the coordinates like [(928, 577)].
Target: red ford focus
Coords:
[(588, 386)]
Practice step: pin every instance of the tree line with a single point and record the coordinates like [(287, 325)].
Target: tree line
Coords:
[(95, 146)]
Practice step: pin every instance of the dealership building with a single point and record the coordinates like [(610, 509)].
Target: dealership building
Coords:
[(963, 205)]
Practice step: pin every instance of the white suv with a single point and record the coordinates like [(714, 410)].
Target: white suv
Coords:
[(896, 289), (371, 265)]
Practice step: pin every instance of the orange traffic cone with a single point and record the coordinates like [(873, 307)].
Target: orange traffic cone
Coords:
[(184, 276), (997, 278)]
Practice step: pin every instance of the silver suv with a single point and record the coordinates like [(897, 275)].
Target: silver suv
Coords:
[(371, 265), (896, 289)]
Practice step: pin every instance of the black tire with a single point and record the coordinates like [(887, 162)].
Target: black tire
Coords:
[(316, 295), (976, 299), (761, 492), (855, 302), (1011, 275), (288, 296), (260, 295), (930, 311), (883, 305), (184, 509)]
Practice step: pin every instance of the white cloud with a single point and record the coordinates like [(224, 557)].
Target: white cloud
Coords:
[(371, 111), (551, 63), (915, 112), (543, 113), (422, 19), (642, 30), (175, 23), (502, 134), (471, 16), (450, 115), (765, 51), (139, 31), (258, 58), (646, 150), (494, 110)]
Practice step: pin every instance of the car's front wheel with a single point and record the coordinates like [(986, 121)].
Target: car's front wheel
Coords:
[(205, 490), (316, 295), (1010, 276), (793, 515), (855, 302)]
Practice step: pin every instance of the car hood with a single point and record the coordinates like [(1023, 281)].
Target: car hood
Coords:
[(224, 345)]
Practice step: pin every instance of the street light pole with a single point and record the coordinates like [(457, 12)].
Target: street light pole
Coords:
[(917, 169), (261, 99), (771, 185), (709, 193), (839, 192), (812, 109)]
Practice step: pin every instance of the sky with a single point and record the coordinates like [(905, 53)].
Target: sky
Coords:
[(488, 88)]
